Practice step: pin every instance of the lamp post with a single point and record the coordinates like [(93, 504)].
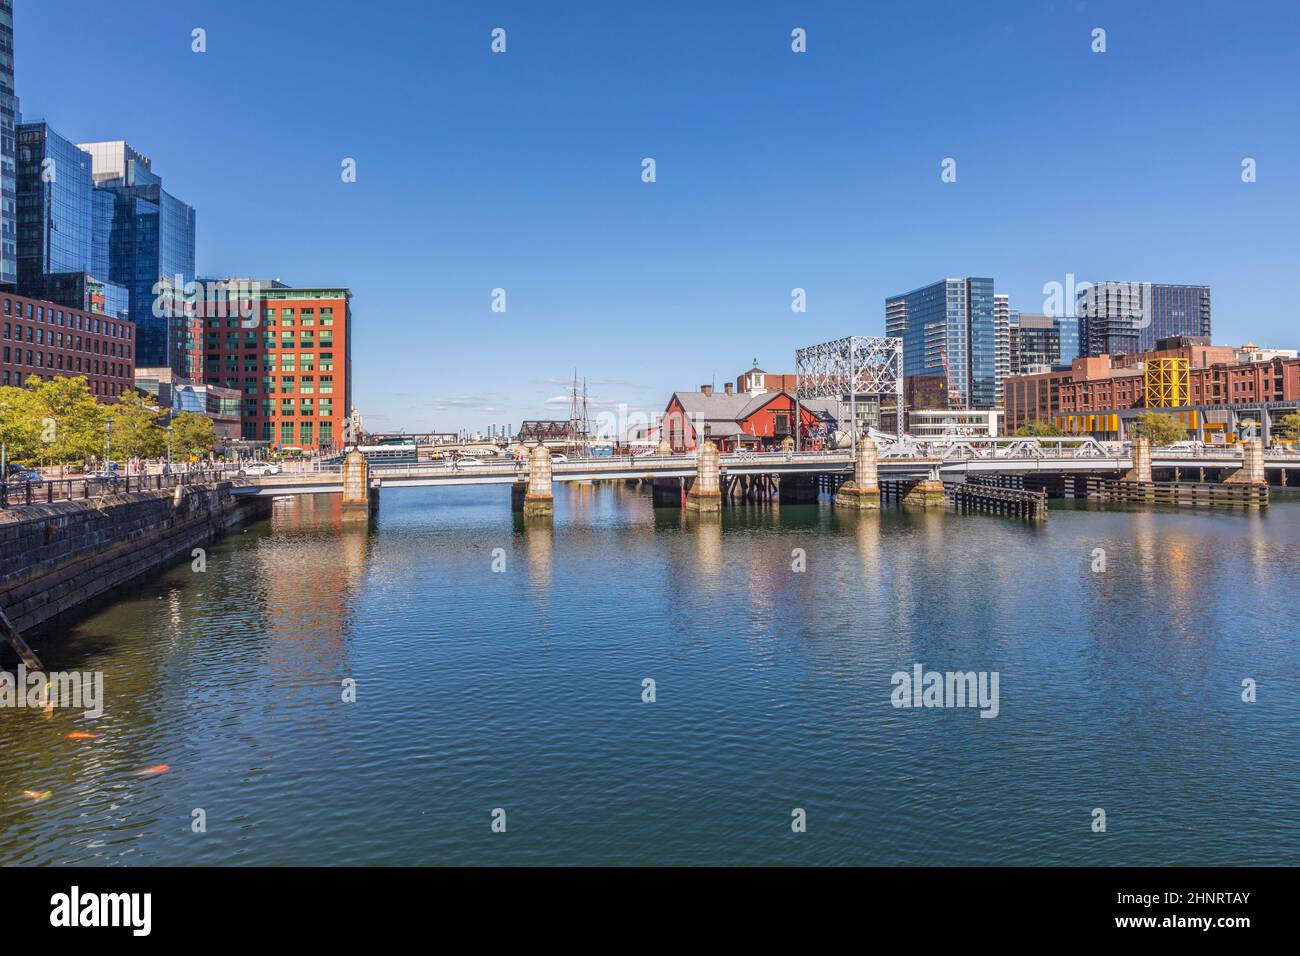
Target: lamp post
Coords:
[(169, 448), (108, 440)]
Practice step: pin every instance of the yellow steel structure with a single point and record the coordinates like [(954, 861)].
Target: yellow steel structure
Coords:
[(1167, 383)]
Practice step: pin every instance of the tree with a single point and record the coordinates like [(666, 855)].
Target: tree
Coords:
[(72, 421), (192, 435), (136, 429), (1161, 429), (1038, 430), (21, 428), (1288, 426)]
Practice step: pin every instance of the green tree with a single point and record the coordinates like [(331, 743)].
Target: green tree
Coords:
[(1038, 430), (1288, 426), (137, 432), (192, 435), (1161, 429), (72, 421), (21, 428)]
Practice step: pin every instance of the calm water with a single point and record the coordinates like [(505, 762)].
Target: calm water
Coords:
[(522, 690)]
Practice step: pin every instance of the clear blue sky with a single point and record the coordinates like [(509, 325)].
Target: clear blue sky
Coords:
[(775, 170)]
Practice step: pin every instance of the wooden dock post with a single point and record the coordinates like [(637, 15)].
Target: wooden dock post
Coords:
[(25, 653)]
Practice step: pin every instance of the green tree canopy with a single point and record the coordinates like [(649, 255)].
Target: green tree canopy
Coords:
[(192, 435), (1288, 426), (1038, 430), (1160, 428), (137, 428)]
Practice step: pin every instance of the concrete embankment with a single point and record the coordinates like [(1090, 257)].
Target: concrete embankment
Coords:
[(56, 557)]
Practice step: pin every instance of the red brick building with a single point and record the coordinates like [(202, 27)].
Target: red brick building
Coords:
[(289, 356), (50, 341), (738, 421)]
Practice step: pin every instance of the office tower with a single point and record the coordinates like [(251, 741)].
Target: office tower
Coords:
[(949, 331), (1067, 334), (55, 203), (1130, 317), (289, 354), (1039, 343), (8, 150), (143, 237)]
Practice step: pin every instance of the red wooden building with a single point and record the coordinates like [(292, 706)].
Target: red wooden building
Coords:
[(743, 422)]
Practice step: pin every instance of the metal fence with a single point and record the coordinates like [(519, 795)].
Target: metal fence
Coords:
[(17, 494)]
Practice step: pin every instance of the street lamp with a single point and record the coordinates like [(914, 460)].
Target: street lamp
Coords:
[(108, 440), (169, 448)]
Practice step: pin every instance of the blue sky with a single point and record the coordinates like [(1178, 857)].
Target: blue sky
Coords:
[(775, 170)]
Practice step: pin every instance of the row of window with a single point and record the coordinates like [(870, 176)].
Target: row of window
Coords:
[(58, 340), (98, 388), (292, 433), (52, 360), (71, 320)]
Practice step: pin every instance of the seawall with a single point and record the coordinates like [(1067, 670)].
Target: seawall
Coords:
[(56, 557)]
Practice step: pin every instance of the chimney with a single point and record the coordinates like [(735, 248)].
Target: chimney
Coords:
[(707, 390), (728, 388)]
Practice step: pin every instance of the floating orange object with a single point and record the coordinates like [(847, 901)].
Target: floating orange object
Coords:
[(82, 735), (37, 795), (156, 771)]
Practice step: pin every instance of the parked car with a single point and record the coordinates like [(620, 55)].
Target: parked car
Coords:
[(260, 468), (467, 462), (25, 476)]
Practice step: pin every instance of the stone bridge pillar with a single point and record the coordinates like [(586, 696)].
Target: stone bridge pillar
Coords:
[(706, 494), (1252, 465), (863, 492), (1141, 460), (358, 500), (538, 500)]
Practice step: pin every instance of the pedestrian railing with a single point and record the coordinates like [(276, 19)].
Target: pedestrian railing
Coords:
[(17, 494)]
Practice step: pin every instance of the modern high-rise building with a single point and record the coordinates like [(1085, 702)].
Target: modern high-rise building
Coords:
[(1038, 340), (949, 330), (1002, 319), (1124, 318), (288, 351), (56, 198), (142, 237), (8, 150)]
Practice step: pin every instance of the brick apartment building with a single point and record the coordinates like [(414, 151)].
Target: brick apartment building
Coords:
[(1092, 395), (50, 340), (290, 360)]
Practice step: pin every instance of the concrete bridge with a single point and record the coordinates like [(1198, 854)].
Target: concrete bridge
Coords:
[(702, 481)]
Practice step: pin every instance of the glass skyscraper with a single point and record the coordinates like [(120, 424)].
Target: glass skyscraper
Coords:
[(8, 149), (949, 330), (55, 225), (1131, 317), (142, 235)]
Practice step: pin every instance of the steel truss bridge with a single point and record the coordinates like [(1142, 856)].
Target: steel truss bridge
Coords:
[(900, 460)]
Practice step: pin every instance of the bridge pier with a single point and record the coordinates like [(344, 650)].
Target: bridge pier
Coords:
[(359, 500), (927, 493), (1252, 465), (706, 494), (1141, 460), (534, 497), (863, 492)]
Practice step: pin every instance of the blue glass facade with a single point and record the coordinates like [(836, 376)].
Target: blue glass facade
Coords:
[(8, 149), (142, 235), (55, 194), (948, 328), (1131, 317), (1067, 329)]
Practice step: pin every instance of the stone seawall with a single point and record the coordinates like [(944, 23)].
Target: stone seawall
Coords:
[(55, 557)]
